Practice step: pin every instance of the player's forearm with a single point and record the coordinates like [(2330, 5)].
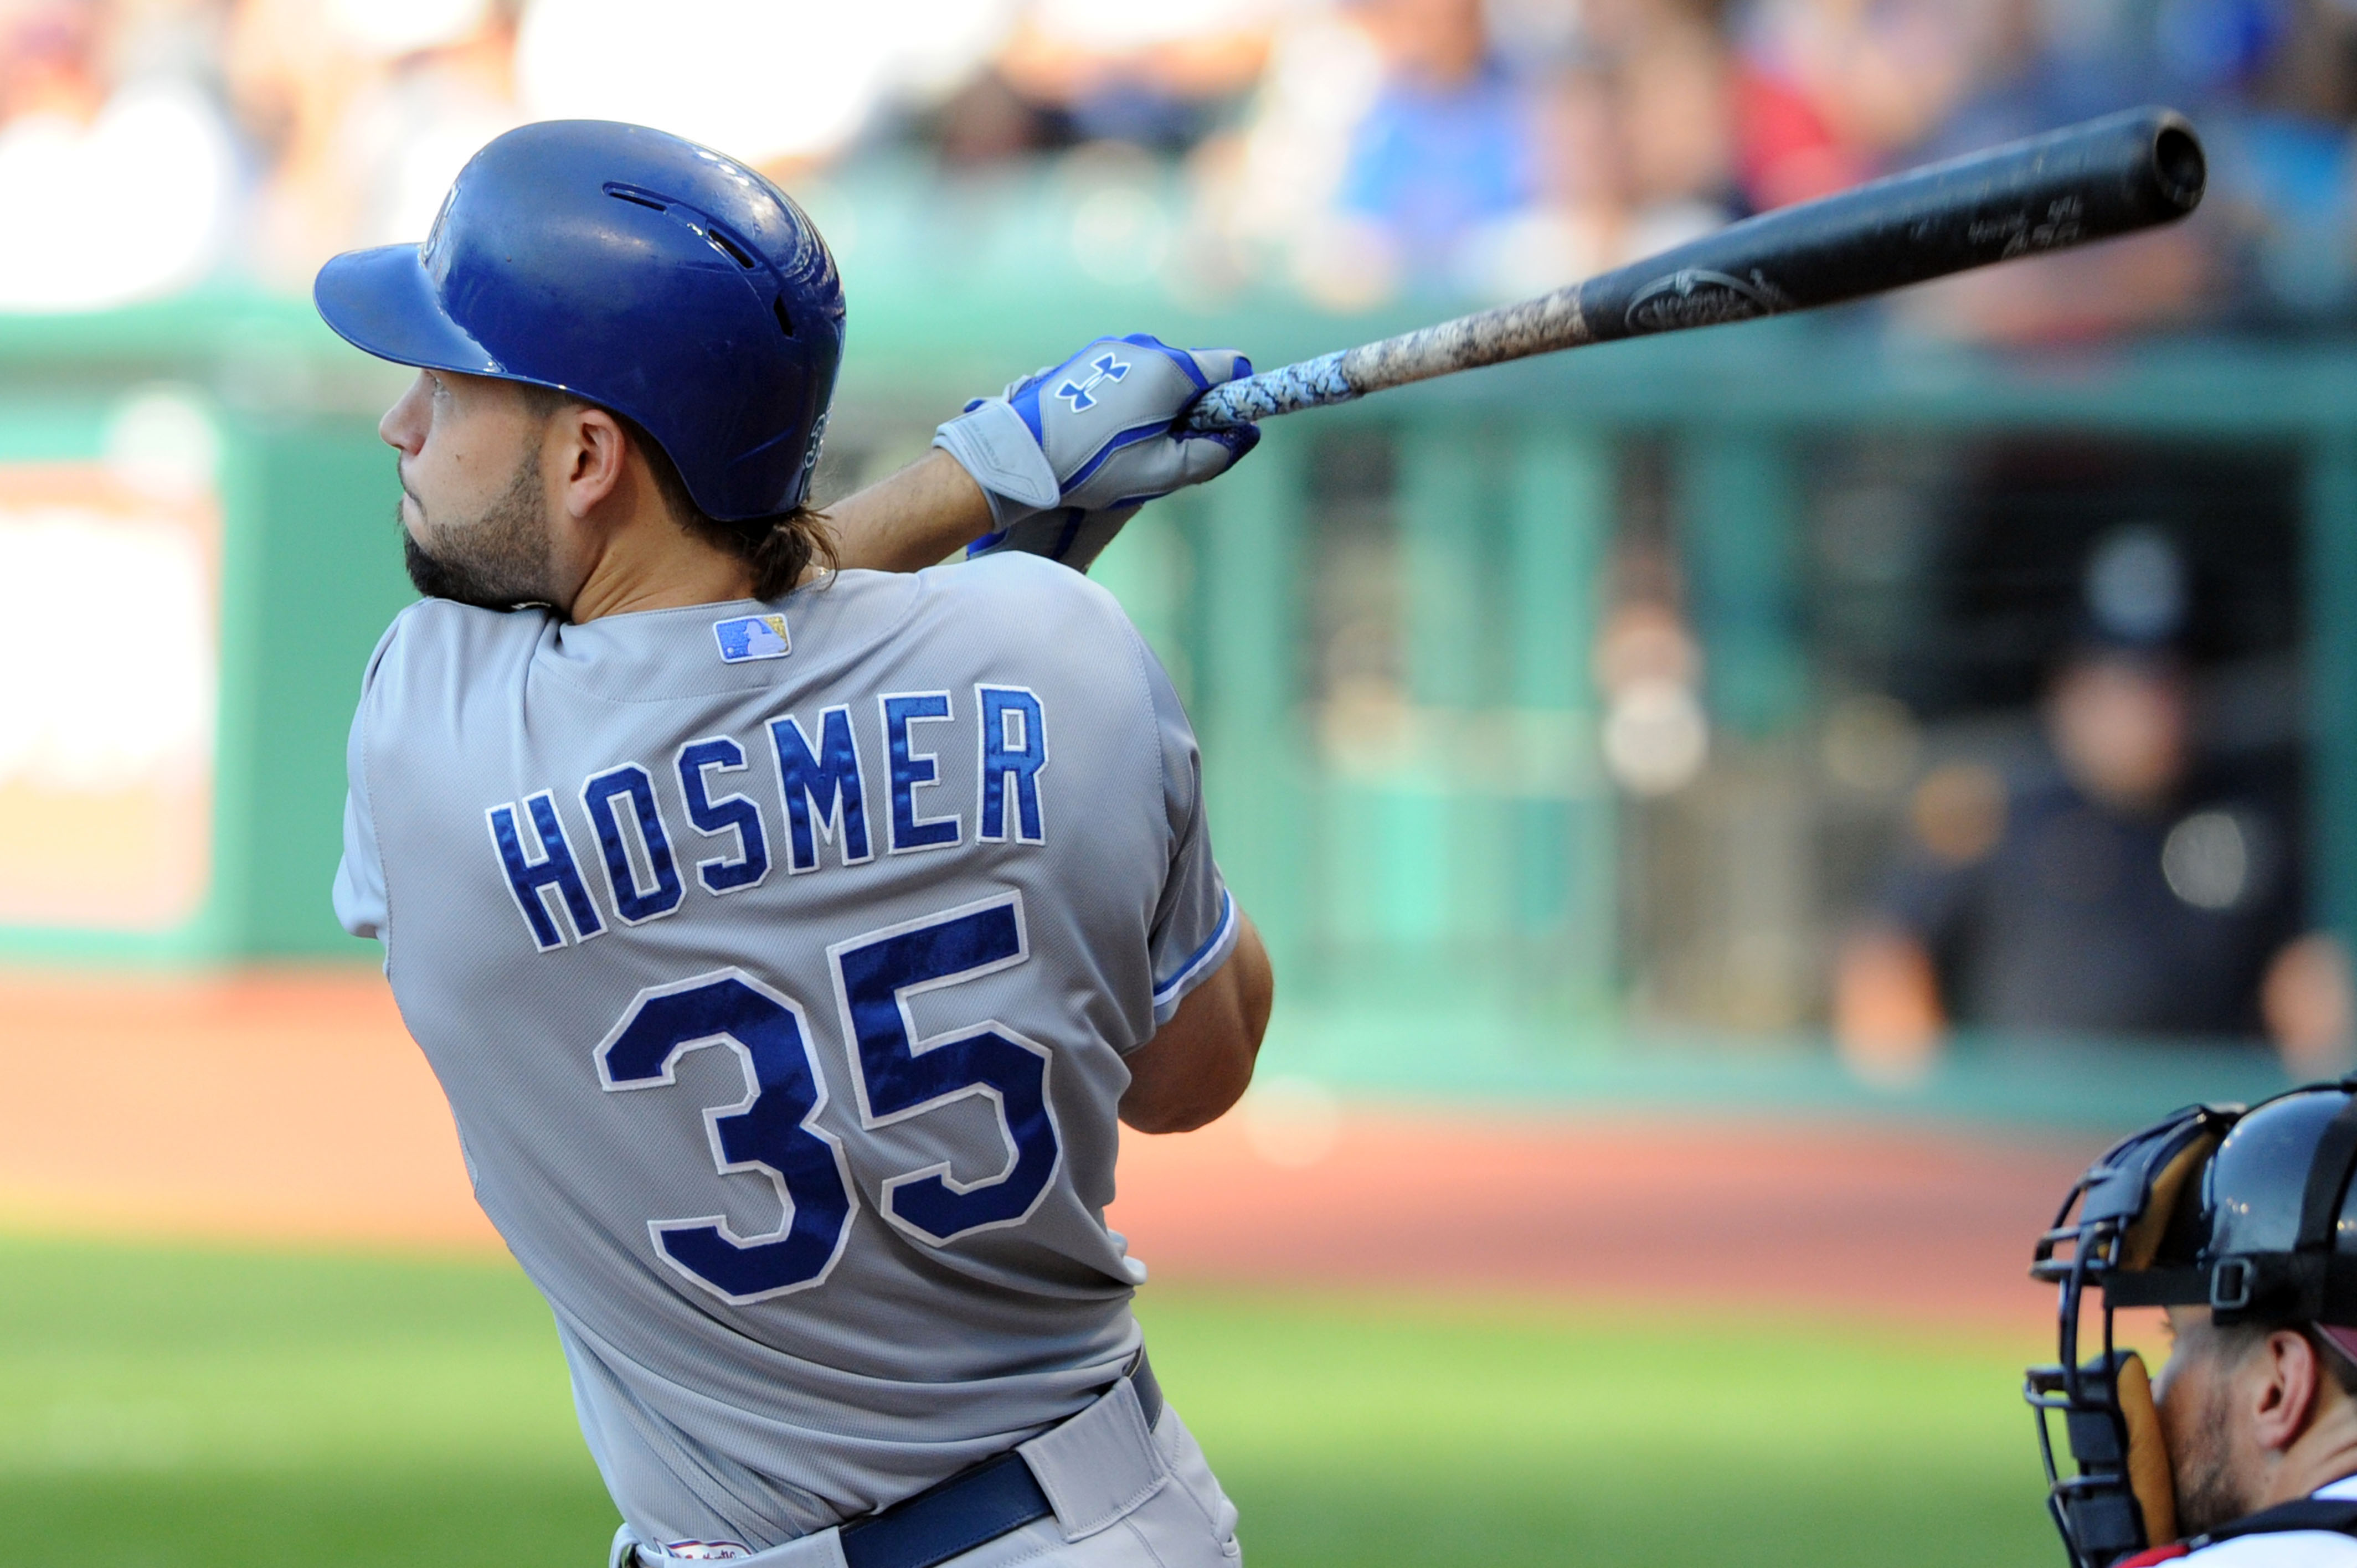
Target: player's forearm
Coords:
[(1199, 1064), (910, 519)]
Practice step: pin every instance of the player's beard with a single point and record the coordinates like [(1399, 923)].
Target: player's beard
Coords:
[(2208, 1493), (497, 561)]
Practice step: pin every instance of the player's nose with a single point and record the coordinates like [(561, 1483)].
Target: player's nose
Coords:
[(403, 424)]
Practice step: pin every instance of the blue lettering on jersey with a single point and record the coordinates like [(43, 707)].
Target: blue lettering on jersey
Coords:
[(912, 770), (730, 813), (530, 879), (821, 790), (822, 786), (634, 904), (774, 1131), (1014, 748), (900, 1076)]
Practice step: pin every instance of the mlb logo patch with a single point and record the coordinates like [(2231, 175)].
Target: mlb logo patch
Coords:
[(747, 638)]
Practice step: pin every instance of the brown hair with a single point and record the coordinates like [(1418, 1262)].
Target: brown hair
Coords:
[(778, 549), (2240, 1339)]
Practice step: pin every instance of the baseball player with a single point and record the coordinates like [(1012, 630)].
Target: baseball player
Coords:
[(788, 940), (2243, 1453)]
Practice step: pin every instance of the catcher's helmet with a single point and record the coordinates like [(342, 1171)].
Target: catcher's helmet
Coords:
[(2246, 1212), (638, 270)]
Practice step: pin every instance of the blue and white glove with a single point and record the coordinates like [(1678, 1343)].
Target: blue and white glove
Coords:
[(1068, 455)]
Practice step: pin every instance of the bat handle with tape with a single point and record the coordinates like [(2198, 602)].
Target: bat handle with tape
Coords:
[(2108, 177), (1312, 384)]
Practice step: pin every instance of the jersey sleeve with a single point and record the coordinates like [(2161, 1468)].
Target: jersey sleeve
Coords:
[(359, 896), (1195, 922)]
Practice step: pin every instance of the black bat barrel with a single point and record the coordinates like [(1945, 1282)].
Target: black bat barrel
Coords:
[(2107, 176)]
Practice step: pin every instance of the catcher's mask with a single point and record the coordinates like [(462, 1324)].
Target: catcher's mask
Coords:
[(2245, 1212)]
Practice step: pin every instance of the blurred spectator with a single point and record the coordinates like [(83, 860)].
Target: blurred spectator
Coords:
[(1386, 135), (97, 103), (781, 86), (1272, 189), (1831, 90), (2134, 892), (2283, 155), (365, 110), (1446, 143), (1160, 75), (2043, 64), (1497, 150), (987, 120), (366, 113), (410, 130), (1634, 147), (1159, 78), (2272, 84)]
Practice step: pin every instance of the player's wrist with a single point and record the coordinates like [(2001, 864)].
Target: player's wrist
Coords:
[(999, 453), (912, 519)]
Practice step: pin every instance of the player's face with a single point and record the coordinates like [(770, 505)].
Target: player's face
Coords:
[(474, 505), (2196, 1394)]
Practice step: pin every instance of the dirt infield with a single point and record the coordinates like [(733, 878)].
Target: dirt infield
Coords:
[(292, 1108)]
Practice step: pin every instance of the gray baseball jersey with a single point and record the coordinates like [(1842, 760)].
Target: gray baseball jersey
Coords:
[(779, 962)]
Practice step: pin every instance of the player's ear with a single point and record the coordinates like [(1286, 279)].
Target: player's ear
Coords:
[(2282, 1388), (593, 457)]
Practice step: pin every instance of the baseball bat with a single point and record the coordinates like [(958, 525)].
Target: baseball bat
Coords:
[(2087, 182)]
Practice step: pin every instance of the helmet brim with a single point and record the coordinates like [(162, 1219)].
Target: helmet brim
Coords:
[(382, 302)]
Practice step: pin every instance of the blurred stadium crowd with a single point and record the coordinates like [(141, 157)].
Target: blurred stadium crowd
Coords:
[(1350, 150)]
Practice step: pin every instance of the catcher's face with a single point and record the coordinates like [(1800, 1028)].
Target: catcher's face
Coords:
[(474, 507), (2210, 1456)]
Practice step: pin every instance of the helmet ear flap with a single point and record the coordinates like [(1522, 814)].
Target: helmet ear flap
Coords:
[(2149, 1478)]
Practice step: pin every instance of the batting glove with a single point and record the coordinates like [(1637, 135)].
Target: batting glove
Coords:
[(1068, 455)]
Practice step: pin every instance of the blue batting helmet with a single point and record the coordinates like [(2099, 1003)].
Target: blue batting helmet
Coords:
[(632, 269)]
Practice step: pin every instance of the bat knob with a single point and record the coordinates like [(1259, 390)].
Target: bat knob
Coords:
[(2178, 164)]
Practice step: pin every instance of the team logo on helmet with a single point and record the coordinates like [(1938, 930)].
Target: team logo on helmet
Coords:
[(818, 439)]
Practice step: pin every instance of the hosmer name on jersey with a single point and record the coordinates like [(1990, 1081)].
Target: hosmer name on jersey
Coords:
[(844, 788)]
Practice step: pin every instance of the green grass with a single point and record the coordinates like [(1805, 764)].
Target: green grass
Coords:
[(166, 1408)]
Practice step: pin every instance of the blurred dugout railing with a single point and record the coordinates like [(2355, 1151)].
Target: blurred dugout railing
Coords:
[(1424, 831)]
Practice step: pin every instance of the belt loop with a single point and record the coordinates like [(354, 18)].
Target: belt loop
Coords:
[(1140, 1373), (1099, 1465), (1087, 1472)]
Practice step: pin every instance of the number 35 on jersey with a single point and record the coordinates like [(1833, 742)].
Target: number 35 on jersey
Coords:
[(774, 1131)]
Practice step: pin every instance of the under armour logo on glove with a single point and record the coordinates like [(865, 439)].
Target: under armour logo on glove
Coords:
[(1065, 455), (1104, 368)]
